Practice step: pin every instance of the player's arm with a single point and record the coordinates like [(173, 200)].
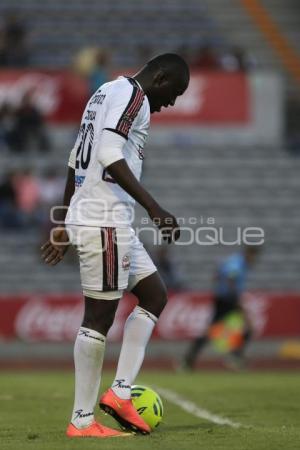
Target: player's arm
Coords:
[(54, 249), (163, 219), (111, 157), (124, 108), (68, 194)]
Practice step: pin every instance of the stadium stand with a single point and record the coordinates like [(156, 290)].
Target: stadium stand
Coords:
[(246, 187), (58, 30), (238, 186)]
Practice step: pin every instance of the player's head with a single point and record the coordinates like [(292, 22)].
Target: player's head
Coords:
[(163, 79)]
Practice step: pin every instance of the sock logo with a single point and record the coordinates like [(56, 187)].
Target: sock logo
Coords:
[(86, 333), (120, 384), (80, 415)]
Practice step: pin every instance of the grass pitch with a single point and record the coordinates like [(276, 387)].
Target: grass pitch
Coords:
[(35, 408)]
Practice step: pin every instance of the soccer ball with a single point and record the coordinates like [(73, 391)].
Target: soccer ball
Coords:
[(148, 404)]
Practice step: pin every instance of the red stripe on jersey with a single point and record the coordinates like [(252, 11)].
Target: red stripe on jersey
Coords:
[(135, 109), (131, 111)]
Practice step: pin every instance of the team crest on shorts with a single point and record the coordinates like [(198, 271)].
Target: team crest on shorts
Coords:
[(125, 262)]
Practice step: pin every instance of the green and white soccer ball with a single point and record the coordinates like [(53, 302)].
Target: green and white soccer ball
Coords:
[(148, 404)]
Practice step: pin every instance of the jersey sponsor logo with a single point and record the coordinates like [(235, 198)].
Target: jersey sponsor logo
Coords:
[(125, 262), (79, 180)]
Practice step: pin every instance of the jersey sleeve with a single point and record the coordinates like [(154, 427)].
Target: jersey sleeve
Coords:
[(124, 105), (72, 158), (110, 148)]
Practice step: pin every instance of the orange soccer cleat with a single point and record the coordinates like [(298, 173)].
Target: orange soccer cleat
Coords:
[(94, 430), (123, 412)]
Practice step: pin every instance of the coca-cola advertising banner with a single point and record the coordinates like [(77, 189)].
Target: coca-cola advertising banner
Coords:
[(212, 98), (59, 95), (56, 318)]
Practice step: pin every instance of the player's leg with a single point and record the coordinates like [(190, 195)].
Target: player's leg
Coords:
[(99, 314), (137, 332), (146, 284), (152, 298), (151, 293), (100, 306), (246, 335), (89, 351), (88, 359), (195, 347), (220, 309)]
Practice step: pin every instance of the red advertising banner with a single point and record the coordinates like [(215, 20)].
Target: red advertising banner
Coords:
[(212, 98), (56, 318), (59, 95)]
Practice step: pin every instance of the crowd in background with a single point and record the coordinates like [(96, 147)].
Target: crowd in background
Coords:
[(14, 51), (24, 196), (26, 199), (23, 127)]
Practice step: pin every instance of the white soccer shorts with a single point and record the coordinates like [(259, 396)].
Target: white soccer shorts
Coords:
[(111, 260)]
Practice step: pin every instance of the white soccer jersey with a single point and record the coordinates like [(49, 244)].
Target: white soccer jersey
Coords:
[(121, 107)]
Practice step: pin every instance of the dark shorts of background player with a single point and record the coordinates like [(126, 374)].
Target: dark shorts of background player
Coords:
[(224, 305)]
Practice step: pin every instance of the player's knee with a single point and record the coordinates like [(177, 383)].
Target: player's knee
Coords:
[(159, 302), (99, 323), (152, 294), (163, 298), (99, 314)]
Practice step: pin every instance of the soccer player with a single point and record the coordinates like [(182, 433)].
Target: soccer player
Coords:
[(229, 285), (101, 189)]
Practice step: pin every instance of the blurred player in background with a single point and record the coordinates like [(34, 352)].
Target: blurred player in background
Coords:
[(102, 187), (230, 281)]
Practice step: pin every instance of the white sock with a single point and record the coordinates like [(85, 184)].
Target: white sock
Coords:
[(88, 358), (137, 331)]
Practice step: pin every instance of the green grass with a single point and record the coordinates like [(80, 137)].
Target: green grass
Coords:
[(35, 409)]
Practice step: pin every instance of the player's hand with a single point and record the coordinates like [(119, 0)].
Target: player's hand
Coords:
[(54, 249), (166, 223)]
